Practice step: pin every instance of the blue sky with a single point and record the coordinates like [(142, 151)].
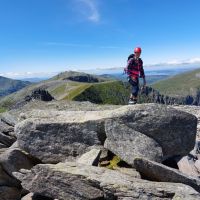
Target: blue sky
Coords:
[(47, 36)]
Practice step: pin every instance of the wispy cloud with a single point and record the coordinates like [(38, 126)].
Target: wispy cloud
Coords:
[(177, 63), (66, 44), (90, 9), (63, 44), (186, 61), (18, 75)]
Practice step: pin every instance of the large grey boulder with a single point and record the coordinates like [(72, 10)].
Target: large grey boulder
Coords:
[(53, 141), (73, 181), (173, 130), (192, 110), (51, 136), (129, 144), (159, 172)]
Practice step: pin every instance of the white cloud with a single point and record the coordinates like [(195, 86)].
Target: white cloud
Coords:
[(91, 11), (174, 62), (171, 64), (18, 75), (186, 61), (194, 60)]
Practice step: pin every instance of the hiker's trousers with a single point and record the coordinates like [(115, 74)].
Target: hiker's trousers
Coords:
[(134, 86)]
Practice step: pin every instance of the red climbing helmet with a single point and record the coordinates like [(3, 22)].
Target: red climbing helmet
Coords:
[(137, 50)]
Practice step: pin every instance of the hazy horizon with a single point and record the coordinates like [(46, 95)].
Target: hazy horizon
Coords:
[(152, 70)]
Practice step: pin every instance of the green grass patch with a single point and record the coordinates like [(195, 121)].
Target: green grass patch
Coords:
[(59, 90), (7, 103), (76, 91), (112, 92), (2, 109), (180, 85)]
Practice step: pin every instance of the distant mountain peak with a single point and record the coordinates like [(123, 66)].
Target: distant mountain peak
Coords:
[(8, 86), (79, 77)]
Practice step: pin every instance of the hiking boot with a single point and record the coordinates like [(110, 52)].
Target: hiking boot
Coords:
[(132, 101)]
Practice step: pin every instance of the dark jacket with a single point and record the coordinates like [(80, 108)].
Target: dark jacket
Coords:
[(134, 67)]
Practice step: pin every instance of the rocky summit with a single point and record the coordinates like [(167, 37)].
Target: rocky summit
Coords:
[(83, 151)]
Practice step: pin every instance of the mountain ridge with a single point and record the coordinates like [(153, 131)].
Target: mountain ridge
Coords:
[(8, 86)]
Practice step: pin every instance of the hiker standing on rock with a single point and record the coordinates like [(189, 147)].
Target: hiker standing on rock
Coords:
[(135, 70)]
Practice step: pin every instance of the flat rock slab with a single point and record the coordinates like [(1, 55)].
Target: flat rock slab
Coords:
[(73, 181), (51, 136), (159, 172)]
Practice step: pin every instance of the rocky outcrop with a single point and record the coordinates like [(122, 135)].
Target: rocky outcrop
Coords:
[(86, 78), (150, 94), (40, 94), (72, 181), (37, 94), (121, 139), (51, 136)]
